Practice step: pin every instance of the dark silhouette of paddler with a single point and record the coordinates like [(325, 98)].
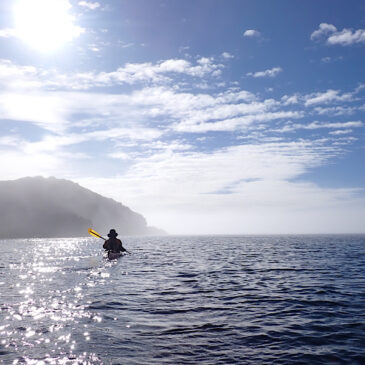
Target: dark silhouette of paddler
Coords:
[(113, 244)]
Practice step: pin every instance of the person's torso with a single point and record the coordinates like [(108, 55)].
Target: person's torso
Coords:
[(115, 245)]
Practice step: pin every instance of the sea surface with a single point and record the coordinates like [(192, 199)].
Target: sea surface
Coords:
[(184, 300)]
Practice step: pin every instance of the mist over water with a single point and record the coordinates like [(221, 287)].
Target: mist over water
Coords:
[(184, 300), (50, 207)]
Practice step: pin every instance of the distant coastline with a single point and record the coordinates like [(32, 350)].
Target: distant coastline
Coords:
[(49, 207)]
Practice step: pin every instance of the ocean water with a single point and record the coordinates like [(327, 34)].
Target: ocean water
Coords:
[(184, 300)]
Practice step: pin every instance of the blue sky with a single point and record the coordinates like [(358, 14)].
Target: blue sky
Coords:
[(205, 116)]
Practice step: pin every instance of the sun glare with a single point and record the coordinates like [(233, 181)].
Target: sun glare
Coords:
[(45, 25)]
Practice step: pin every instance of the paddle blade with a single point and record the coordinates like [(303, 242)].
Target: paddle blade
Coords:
[(95, 234)]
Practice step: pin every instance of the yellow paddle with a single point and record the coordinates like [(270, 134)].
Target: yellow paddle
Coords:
[(95, 234)]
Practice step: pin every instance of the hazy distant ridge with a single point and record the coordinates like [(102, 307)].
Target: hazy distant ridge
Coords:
[(40, 207)]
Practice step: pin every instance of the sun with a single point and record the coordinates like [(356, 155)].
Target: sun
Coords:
[(45, 25)]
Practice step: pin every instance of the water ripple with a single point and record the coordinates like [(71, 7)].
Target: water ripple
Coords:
[(184, 300)]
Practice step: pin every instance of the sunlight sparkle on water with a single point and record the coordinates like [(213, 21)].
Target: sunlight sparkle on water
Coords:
[(47, 303)]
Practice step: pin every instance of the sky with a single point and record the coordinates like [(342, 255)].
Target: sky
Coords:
[(205, 116)]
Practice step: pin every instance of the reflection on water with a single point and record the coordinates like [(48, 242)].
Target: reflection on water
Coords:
[(185, 300), (44, 313)]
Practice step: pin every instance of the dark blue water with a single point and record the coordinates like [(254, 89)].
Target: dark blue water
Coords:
[(184, 300)]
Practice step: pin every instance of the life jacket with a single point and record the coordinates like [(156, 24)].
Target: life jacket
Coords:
[(114, 245)]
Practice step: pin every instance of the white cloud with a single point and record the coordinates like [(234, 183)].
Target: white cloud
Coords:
[(331, 59), (327, 97), (171, 110), (345, 37), (290, 99), (43, 110), (10, 140), (9, 71), (239, 181), (16, 164), (52, 150), (89, 5), (55, 110), (168, 108), (7, 33), (94, 48), (273, 72), (140, 72), (160, 171), (319, 125), (162, 72), (341, 132), (335, 110), (324, 30), (316, 125), (227, 55), (120, 155), (359, 88), (234, 124), (125, 45), (135, 134), (251, 33)]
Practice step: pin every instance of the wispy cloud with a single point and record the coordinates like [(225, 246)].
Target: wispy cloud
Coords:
[(234, 124), (352, 124), (320, 125), (273, 72), (151, 136), (341, 132), (239, 181), (331, 59), (332, 36), (227, 55), (130, 73), (48, 106), (328, 96), (290, 99), (336, 110), (7, 33), (16, 163), (89, 5), (45, 111)]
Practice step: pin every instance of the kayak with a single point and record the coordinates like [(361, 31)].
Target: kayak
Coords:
[(114, 255)]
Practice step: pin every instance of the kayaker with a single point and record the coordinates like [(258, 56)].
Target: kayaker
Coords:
[(114, 244)]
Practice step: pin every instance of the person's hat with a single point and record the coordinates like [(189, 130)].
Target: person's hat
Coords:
[(112, 233)]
